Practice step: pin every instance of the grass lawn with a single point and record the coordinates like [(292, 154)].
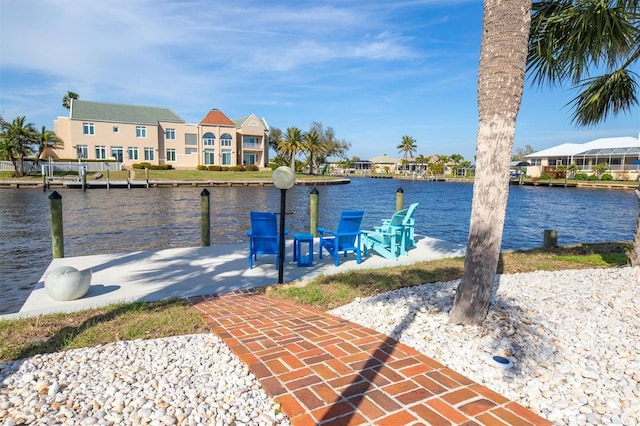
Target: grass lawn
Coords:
[(51, 333)]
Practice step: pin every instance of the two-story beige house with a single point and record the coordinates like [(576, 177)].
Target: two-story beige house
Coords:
[(134, 134)]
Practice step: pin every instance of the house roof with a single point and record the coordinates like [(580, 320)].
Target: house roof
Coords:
[(119, 113), (239, 122), (602, 146), (383, 159), (216, 117)]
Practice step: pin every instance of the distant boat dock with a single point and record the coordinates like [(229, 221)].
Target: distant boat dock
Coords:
[(103, 184)]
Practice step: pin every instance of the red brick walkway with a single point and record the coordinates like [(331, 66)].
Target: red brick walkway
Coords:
[(329, 371)]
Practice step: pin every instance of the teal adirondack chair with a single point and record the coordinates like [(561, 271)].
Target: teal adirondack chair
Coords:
[(346, 238), (405, 228), (394, 237), (263, 236)]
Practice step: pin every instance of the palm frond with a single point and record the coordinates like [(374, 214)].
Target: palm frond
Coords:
[(599, 97), (568, 38)]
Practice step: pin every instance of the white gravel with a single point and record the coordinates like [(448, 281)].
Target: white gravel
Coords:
[(573, 338), (186, 380)]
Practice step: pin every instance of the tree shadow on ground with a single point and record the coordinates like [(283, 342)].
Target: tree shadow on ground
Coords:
[(503, 318)]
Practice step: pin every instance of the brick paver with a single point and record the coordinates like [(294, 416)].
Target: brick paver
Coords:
[(325, 370)]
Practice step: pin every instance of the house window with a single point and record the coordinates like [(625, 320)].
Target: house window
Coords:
[(170, 134), (141, 132), (148, 154), (88, 129), (116, 129), (226, 157), (82, 151), (117, 152), (190, 139), (101, 152), (171, 155), (190, 151), (133, 153), (209, 157), (250, 159), (208, 139), (225, 140)]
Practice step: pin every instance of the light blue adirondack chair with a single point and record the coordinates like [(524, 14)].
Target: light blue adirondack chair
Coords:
[(394, 237), (346, 238), (263, 236), (405, 229)]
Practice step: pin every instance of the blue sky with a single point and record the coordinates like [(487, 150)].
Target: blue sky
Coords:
[(374, 70)]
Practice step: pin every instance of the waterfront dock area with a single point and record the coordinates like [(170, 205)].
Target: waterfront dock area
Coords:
[(196, 271)]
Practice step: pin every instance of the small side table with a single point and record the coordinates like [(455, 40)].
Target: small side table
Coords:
[(298, 254)]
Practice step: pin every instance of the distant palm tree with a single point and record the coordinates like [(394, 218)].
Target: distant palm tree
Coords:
[(408, 147), (291, 144), (442, 160), (422, 160), (465, 165), (18, 139), (332, 146), (47, 139), (68, 99), (574, 169), (456, 159), (314, 146)]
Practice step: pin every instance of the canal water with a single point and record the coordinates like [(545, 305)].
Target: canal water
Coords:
[(123, 220)]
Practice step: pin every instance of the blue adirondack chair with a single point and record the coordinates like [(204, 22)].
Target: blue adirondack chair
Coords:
[(263, 236), (345, 238)]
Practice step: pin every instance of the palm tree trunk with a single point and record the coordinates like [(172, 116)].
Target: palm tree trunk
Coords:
[(503, 57)]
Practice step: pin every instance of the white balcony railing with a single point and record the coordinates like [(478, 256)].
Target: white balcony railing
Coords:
[(246, 145)]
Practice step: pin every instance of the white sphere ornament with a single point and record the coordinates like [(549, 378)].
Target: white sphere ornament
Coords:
[(284, 177), (67, 283)]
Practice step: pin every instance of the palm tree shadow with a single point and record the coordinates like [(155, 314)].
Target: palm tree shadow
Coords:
[(527, 332), (364, 380)]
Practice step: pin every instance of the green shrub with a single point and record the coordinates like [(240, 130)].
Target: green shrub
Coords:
[(546, 176), (582, 176), (141, 165), (201, 167), (592, 177), (214, 168), (151, 166), (606, 176), (252, 168), (224, 168), (236, 169)]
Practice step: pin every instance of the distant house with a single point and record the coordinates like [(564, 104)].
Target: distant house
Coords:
[(384, 164), (618, 153), (133, 134)]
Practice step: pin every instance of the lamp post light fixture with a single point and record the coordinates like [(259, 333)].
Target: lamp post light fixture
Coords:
[(283, 178)]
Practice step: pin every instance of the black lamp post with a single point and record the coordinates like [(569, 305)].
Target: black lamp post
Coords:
[(283, 178)]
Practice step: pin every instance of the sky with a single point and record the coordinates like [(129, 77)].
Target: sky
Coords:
[(372, 70)]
